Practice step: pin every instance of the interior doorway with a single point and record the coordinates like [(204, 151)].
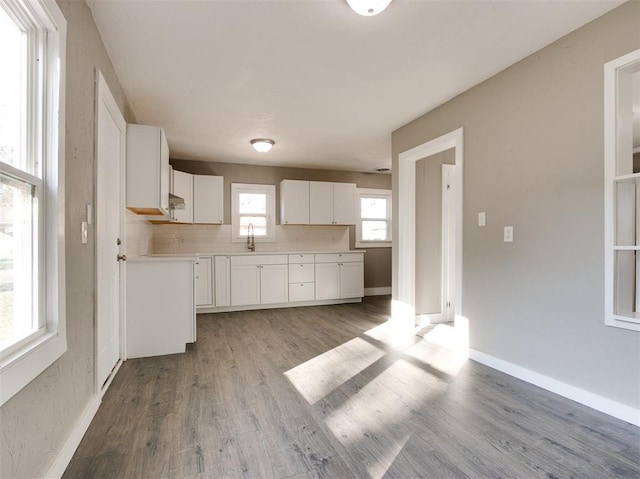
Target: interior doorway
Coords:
[(450, 268), (109, 208)]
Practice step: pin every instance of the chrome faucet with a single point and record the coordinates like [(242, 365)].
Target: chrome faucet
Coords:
[(251, 241)]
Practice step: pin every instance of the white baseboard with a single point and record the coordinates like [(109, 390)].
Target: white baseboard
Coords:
[(592, 400), (73, 441), (377, 291)]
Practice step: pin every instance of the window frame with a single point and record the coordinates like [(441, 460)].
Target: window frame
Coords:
[(270, 192), (26, 359), (373, 193), (617, 74)]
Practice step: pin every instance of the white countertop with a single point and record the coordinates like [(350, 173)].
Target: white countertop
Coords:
[(169, 257), (243, 253)]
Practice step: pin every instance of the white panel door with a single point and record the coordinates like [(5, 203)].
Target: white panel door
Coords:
[(245, 284), (222, 280), (351, 280), (320, 203), (344, 200), (294, 202), (204, 281), (110, 153), (274, 283), (208, 199), (327, 281), (183, 187)]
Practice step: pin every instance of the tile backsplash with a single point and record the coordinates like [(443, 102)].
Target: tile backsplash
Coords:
[(178, 239)]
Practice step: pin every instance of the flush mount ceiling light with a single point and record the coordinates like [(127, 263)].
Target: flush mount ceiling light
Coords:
[(368, 8), (262, 144)]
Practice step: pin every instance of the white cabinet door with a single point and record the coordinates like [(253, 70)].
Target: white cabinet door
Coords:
[(274, 283), (245, 284), (294, 202), (204, 281), (344, 197), (208, 199), (183, 187), (351, 280), (301, 292), (147, 169), (320, 203), (222, 281), (327, 281)]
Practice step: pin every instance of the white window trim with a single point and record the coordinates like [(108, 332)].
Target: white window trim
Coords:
[(270, 191), (25, 364), (611, 149), (368, 192)]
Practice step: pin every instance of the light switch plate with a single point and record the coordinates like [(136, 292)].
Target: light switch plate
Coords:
[(508, 234), (84, 232), (482, 219)]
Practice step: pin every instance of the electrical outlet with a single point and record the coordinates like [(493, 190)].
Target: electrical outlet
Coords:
[(508, 234)]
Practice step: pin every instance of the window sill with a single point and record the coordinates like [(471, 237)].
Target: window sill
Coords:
[(25, 365), (373, 244)]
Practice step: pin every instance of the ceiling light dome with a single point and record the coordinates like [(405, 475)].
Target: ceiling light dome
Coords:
[(368, 8), (262, 144)]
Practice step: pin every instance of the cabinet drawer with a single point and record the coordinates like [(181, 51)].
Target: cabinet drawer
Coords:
[(301, 273), (301, 292), (259, 259), (300, 258), (339, 257)]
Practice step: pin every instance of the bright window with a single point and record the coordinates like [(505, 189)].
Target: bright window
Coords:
[(253, 206), (374, 220), (32, 326)]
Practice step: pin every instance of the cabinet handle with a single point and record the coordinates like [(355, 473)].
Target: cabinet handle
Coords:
[(301, 265)]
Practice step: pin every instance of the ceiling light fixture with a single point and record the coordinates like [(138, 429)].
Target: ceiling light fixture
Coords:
[(262, 144), (368, 8)]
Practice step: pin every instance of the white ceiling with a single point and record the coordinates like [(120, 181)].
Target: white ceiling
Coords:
[(329, 86)]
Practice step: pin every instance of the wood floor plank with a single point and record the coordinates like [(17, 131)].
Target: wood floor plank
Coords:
[(332, 392)]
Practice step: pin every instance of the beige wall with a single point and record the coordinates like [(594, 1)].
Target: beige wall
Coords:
[(377, 264), (36, 422), (533, 158), (428, 285)]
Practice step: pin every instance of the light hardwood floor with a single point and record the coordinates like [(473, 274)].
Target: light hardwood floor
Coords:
[(331, 392)]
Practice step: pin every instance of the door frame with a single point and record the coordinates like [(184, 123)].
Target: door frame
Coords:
[(403, 306), (104, 95)]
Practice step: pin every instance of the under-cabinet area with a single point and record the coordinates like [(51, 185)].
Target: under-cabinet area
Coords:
[(234, 282)]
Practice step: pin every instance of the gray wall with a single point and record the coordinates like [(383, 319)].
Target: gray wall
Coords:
[(36, 422), (533, 158), (428, 285), (377, 265)]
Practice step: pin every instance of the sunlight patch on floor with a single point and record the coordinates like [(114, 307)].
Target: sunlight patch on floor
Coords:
[(395, 335), (443, 348), (317, 377)]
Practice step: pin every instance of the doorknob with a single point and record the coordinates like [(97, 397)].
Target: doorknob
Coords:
[(122, 257)]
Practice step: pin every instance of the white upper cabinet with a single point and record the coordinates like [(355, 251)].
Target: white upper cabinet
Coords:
[(148, 174), (208, 199), (294, 202), (332, 203), (183, 187)]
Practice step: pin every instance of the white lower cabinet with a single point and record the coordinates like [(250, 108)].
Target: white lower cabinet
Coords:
[(222, 281), (339, 276), (301, 278), (204, 281), (260, 279)]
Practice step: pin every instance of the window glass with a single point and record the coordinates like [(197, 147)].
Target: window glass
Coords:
[(259, 225), (373, 208), (16, 272), (12, 81), (374, 230), (253, 203)]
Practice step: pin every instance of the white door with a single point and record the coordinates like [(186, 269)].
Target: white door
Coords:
[(327, 281), (245, 284), (274, 283), (448, 242), (110, 153), (351, 280)]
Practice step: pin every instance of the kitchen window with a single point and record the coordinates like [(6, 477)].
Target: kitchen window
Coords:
[(253, 205), (374, 218), (32, 298)]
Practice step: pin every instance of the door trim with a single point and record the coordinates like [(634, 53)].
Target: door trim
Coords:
[(104, 95), (403, 306)]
